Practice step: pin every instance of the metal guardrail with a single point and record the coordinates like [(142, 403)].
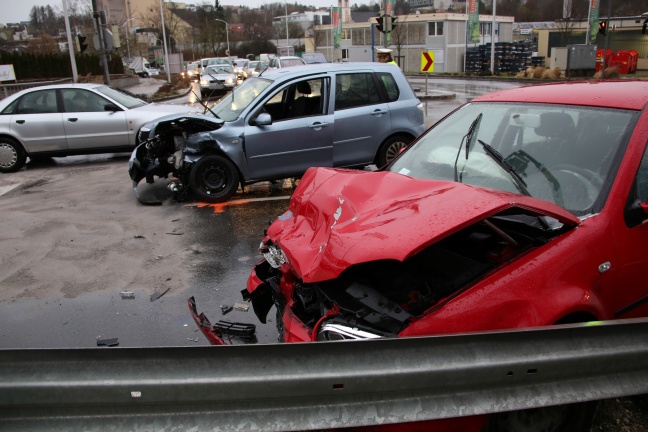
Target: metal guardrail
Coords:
[(320, 385), (9, 89)]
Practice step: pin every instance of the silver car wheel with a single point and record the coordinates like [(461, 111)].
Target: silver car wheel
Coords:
[(8, 155), (12, 155)]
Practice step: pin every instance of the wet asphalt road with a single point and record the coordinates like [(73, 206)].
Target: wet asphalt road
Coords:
[(229, 236)]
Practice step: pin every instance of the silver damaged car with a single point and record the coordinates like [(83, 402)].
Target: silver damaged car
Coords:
[(278, 125)]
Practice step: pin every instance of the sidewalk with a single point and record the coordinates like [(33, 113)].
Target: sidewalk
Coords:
[(146, 86)]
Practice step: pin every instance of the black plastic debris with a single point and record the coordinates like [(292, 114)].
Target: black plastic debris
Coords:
[(108, 342), (157, 294), (226, 309), (242, 330), (175, 233)]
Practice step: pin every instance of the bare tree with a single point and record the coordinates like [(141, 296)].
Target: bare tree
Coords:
[(172, 22), (317, 36), (44, 19), (44, 44)]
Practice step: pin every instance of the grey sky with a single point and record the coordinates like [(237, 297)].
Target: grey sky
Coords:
[(18, 10)]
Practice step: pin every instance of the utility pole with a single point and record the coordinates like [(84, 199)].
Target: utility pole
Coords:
[(102, 43), (75, 75)]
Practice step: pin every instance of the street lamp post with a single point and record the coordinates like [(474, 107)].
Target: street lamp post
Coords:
[(127, 36), (226, 33), (167, 66), (286, 9)]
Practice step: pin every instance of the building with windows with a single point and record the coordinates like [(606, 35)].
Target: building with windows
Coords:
[(443, 34)]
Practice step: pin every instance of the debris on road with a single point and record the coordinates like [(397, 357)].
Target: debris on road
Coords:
[(157, 294), (127, 295), (226, 309), (242, 330), (241, 306)]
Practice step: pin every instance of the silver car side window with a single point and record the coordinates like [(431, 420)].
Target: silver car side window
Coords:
[(38, 102)]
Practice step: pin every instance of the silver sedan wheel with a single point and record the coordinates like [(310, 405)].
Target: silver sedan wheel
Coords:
[(12, 156), (8, 155)]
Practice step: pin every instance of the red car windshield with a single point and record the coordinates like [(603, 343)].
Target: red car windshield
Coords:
[(564, 154)]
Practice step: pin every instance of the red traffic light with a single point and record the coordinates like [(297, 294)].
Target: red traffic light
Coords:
[(81, 43), (602, 27), (380, 26)]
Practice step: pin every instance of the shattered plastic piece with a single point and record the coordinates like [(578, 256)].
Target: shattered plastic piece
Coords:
[(226, 309), (108, 342), (242, 330), (139, 236), (136, 394), (175, 233), (156, 295), (241, 306), (127, 295)]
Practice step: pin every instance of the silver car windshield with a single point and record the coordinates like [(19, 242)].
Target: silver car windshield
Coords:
[(232, 105), (560, 153), (128, 101)]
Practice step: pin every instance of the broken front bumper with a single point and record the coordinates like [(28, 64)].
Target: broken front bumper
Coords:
[(223, 332)]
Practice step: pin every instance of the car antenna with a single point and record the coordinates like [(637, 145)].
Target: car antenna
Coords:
[(201, 102)]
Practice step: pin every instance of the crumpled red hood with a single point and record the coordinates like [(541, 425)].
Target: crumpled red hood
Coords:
[(342, 217)]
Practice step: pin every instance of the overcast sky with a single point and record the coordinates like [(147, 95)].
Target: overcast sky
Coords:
[(18, 10)]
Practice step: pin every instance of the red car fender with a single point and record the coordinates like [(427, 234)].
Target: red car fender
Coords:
[(204, 324), (253, 280), (294, 330)]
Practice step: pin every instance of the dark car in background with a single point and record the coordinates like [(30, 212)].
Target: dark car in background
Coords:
[(281, 123)]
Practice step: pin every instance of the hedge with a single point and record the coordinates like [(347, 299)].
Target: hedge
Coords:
[(57, 65)]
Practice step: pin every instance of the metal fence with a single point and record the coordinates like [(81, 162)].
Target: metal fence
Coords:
[(9, 89), (320, 385)]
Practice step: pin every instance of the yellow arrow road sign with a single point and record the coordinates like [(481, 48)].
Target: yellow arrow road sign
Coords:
[(427, 61)]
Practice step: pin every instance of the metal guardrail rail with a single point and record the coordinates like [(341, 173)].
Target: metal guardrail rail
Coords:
[(9, 89), (320, 385)]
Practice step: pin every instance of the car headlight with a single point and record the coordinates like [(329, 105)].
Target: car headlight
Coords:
[(273, 254), (143, 134), (204, 82), (229, 80), (333, 332)]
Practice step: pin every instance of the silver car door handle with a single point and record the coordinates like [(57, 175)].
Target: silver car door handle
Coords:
[(72, 119), (318, 125), (20, 121), (378, 112)]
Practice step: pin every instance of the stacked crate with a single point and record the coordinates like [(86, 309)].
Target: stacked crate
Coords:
[(509, 57)]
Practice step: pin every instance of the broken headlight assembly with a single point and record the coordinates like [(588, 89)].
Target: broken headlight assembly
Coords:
[(273, 254)]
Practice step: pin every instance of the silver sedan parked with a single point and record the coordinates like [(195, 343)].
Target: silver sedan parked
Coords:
[(72, 119)]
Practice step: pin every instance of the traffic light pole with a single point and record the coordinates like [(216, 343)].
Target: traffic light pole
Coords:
[(75, 75), (102, 44)]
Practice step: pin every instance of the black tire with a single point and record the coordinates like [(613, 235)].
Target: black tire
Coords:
[(560, 418), (214, 179), (390, 149), (12, 155)]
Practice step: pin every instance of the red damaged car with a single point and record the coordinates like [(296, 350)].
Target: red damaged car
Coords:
[(524, 207)]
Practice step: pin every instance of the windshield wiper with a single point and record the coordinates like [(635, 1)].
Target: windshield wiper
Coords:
[(201, 102), (497, 157), (468, 138)]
